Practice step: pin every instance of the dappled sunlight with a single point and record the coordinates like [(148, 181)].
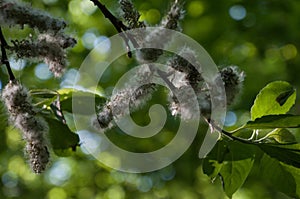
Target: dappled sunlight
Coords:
[(258, 37)]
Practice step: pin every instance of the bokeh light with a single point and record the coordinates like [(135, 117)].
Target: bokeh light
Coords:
[(74, 9), (57, 193), (289, 51), (88, 40), (105, 44), (237, 12), (260, 37), (42, 71), (230, 119), (145, 184), (70, 78), (87, 7), (17, 64), (195, 8), (60, 172), (9, 179), (152, 16), (167, 173), (91, 142), (115, 192)]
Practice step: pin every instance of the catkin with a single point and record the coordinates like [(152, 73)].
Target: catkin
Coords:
[(23, 116), (47, 48), (16, 13)]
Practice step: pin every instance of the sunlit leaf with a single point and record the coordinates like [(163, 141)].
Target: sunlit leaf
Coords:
[(281, 136), (274, 121), (43, 93), (276, 98), (72, 98), (69, 98)]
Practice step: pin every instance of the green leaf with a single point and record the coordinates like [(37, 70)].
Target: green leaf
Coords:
[(276, 98), (232, 161), (69, 98), (62, 139), (275, 173), (295, 172), (3, 125), (283, 97), (281, 136), (274, 121), (43, 93), (236, 168), (288, 154), (212, 164)]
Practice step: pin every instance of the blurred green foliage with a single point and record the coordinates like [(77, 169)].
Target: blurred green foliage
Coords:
[(260, 36)]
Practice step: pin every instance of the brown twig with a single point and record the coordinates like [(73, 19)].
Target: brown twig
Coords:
[(163, 76), (118, 24), (115, 21), (4, 59)]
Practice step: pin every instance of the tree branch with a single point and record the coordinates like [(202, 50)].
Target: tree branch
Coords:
[(4, 59), (163, 75), (118, 24), (115, 21)]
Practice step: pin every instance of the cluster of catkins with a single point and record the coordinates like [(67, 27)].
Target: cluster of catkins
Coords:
[(50, 43), (180, 67), (49, 46)]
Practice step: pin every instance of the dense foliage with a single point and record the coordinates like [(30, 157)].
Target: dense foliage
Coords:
[(258, 154)]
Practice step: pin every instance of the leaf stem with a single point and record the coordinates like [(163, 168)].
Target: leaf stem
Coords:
[(4, 59), (228, 134)]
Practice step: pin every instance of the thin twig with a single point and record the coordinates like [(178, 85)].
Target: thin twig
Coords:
[(222, 131), (4, 59), (163, 76), (115, 21), (118, 24)]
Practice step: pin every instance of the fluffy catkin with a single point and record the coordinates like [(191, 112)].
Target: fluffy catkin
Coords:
[(233, 81), (188, 65), (185, 108), (16, 13), (119, 102), (174, 15), (160, 37), (33, 128), (50, 44), (47, 49), (130, 14)]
